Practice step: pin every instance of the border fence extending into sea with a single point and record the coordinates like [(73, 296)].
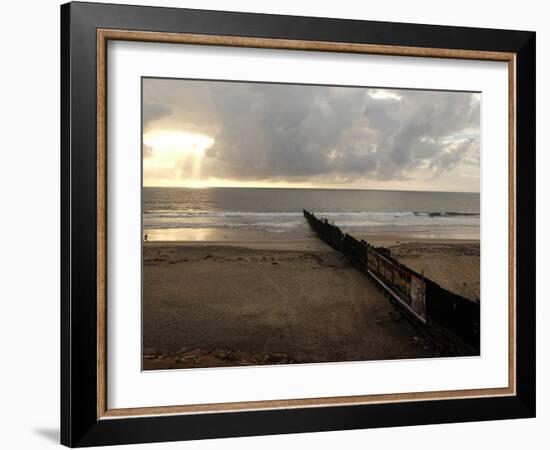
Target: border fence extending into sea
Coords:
[(450, 319)]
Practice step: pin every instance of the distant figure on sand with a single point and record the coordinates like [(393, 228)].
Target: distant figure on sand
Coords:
[(145, 239)]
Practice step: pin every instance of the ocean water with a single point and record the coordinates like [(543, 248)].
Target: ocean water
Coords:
[(261, 213)]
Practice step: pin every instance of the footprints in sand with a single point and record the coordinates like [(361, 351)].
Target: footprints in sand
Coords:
[(237, 255), (415, 250), (192, 358)]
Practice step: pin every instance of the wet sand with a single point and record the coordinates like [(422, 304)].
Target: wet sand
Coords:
[(208, 304)]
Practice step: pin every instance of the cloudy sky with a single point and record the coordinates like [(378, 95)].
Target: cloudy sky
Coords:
[(208, 133)]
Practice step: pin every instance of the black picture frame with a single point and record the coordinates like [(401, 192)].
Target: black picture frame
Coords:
[(80, 425)]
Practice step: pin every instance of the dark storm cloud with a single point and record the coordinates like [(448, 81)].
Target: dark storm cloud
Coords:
[(290, 132), (153, 111), (446, 161)]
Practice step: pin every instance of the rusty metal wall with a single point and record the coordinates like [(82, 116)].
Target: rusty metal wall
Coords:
[(422, 299)]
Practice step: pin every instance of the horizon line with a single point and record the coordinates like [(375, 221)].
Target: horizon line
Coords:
[(309, 188)]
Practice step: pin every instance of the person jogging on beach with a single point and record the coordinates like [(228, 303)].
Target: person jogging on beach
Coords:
[(145, 239)]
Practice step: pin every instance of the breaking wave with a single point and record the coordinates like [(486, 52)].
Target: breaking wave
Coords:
[(282, 221)]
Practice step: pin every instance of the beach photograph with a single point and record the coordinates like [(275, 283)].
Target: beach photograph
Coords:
[(299, 224)]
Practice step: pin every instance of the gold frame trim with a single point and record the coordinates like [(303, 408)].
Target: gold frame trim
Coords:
[(103, 36)]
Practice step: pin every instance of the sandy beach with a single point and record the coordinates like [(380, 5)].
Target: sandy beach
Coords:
[(213, 304), (452, 263)]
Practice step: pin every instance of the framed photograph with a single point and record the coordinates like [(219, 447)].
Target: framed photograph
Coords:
[(277, 224)]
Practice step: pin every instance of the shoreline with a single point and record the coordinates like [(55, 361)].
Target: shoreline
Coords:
[(303, 232), (381, 239)]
